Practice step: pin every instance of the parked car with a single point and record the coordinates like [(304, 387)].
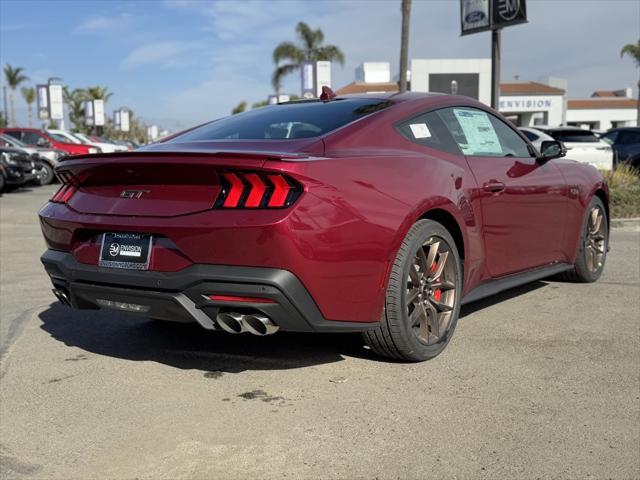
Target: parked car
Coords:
[(536, 137), (39, 138), (379, 213), (49, 157), (18, 168), (582, 145), (625, 142), (106, 147)]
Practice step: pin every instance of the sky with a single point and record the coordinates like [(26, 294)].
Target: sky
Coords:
[(178, 63)]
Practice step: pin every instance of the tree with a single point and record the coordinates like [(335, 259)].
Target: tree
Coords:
[(261, 103), (29, 95), (404, 43), (3, 120), (99, 93), (14, 78), (241, 107), (310, 50), (74, 99), (633, 51)]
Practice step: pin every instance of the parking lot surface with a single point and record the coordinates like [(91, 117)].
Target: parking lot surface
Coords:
[(539, 382)]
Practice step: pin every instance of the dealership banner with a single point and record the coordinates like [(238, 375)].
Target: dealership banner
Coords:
[(56, 104), (42, 92), (124, 120), (482, 15), (98, 113)]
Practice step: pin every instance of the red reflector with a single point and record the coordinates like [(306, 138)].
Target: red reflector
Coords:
[(257, 190), (280, 192), (235, 192), (236, 299)]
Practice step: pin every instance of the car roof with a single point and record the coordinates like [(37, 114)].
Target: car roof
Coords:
[(561, 129)]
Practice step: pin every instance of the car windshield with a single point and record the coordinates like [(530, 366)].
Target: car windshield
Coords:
[(12, 141), (59, 138), (288, 121), (579, 136)]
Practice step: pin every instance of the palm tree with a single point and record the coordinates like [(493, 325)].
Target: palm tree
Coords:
[(14, 78), (634, 52), (404, 43), (29, 95), (75, 102), (310, 50), (241, 107), (99, 93)]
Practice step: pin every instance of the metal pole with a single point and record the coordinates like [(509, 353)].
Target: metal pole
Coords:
[(404, 44), (4, 99), (495, 68)]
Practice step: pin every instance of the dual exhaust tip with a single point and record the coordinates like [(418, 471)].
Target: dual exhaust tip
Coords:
[(254, 323), (231, 322)]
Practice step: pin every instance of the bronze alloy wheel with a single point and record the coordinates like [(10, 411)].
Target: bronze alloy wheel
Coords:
[(431, 291), (595, 239)]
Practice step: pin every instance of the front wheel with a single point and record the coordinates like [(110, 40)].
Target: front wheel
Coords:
[(46, 175), (594, 242), (423, 296)]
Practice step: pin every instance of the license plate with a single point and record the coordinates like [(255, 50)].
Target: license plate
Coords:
[(125, 250)]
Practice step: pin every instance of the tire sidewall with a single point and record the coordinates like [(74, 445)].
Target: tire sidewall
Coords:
[(420, 233), (48, 178), (581, 263)]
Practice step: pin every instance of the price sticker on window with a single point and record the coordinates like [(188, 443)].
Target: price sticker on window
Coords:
[(420, 130)]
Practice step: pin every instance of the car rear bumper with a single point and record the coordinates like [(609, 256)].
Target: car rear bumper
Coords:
[(183, 296)]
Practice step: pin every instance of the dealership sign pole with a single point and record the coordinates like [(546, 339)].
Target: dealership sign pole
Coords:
[(482, 15)]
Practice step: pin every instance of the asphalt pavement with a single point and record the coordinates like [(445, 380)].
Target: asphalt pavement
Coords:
[(540, 382)]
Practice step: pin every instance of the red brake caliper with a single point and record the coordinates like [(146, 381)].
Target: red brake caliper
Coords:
[(437, 293)]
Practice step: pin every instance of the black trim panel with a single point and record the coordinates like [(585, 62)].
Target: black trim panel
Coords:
[(505, 283)]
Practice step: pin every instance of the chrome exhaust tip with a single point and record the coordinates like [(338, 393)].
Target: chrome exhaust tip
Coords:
[(62, 297), (259, 325), (231, 322)]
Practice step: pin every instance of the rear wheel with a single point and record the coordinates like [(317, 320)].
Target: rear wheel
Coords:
[(2, 182), (46, 175), (423, 296), (592, 252)]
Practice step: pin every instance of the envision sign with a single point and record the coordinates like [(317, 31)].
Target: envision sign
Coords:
[(525, 104)]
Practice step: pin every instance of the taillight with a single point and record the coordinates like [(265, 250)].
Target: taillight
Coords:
[(257, 190), (68, 188)]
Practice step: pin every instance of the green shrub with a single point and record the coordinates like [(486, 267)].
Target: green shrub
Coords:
[(624, 191)]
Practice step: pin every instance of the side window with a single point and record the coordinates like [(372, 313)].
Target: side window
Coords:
[(611, 137), (30, 138), (479, 133), (428, 129), (14, 134), (629, 138)]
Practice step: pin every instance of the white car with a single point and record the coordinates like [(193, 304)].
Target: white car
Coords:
[(582, 145), (104, 146)]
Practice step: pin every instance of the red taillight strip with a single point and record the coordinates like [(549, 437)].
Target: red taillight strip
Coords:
[(235, 190), (257, 190), (239, 299), (280, 192)]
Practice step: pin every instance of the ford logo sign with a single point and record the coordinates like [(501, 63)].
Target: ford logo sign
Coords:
[(475, 17)]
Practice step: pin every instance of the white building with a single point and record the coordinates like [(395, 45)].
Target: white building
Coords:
[(525, 103), (604, 110)]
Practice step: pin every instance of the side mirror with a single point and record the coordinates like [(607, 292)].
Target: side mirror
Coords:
[(43, 142), (551, 149)]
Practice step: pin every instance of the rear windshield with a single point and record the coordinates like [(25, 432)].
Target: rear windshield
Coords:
[(573, 136), (287, 121)]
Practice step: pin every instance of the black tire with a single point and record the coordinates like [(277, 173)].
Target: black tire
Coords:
[(582, 271), (2, 183), (395, 338), (47, 176)]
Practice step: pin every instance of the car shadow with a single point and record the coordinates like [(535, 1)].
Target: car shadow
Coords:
[(188, 346)]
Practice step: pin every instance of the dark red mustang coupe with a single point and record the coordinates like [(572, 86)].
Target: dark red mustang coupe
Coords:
[(374, 213)]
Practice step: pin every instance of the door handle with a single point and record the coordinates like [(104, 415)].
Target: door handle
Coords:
[(493, 186)]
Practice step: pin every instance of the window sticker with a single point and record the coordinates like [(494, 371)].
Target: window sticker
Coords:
[(479, 131), (420, 130)]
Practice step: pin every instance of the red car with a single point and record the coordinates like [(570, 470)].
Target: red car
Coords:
[(39, 138), (379, 213)]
